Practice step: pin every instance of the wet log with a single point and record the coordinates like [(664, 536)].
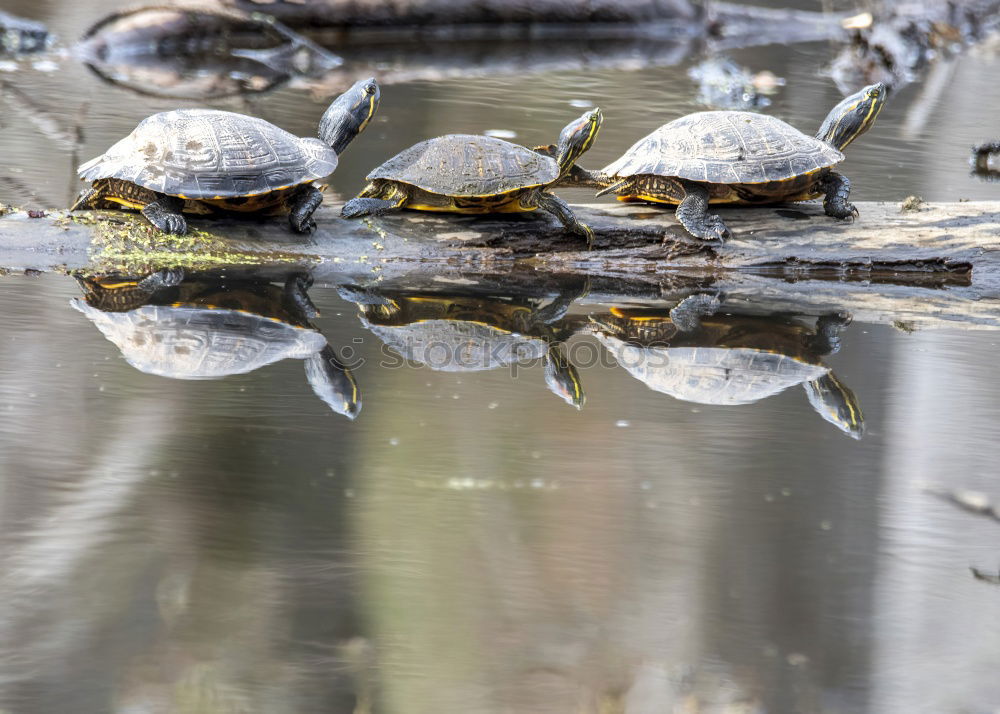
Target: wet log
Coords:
[(394, 13), (918, 266), (458, 19)]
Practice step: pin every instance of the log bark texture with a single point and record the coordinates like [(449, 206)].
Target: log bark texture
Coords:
[(929, 265)]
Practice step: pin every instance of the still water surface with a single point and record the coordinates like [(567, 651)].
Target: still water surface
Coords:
[(471, 542)]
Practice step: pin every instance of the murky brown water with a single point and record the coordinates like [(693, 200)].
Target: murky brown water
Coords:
[(472, 543)]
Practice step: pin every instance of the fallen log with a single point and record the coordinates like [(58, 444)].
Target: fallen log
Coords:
[(919, 266), (349, 14)]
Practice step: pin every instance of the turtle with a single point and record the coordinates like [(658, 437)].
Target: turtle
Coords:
[(466, 333), (19, 36), (195, 51), (210, 327), (739, 157), (732, 359), (980, 160), (203, 160), (465, 173)]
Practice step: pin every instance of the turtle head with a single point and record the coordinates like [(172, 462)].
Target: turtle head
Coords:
[(853, 116), (562, 378), (576, 138), (332, 381), (349, 114), (836, 404)]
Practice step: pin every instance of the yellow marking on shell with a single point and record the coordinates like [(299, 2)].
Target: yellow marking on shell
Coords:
[(255, 202), (251, 313), (126, 202), (512, 206), (116, 286), (464, 322), (652, 199), (181, 195), (627, 314), (248, 195)]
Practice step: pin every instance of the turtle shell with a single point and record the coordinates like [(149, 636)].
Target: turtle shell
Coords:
[(468, 165), (199, 342), (713, 375), (459, 346), (726, 148), (205, 153)]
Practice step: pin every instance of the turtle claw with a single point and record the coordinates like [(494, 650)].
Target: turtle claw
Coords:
[(844, 211), (715, 229), (302, 224), (587, 232), (173, 223)]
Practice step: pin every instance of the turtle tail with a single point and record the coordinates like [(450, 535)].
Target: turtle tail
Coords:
[(615, 187)]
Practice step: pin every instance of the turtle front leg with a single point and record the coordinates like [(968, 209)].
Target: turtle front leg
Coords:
[(357, 207), (687, 314), (692, 212), (301, 208), (88, 198), (826, 340), (297, 295), (837, 188), (376, 199), (165, 214), (166, 278), (561, 210)]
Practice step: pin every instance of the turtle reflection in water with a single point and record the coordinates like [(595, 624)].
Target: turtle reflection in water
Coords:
[(980, 160), (198, 51), (730, 360), (464, 333), (211, 328)]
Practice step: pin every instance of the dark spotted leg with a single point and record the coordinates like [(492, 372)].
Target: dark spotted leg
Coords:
[(87, 199), (686, 315), (981, 161), (166, 278), (357, 207), (981, 153), (561, 210), (301, 208), (165, 214), (693, 214), (837, 189), (829, 327), (296, 287)]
